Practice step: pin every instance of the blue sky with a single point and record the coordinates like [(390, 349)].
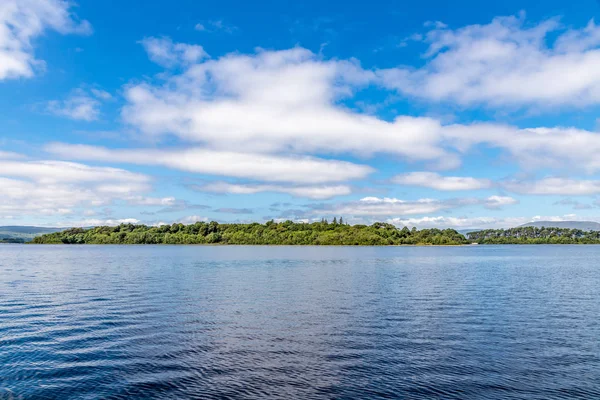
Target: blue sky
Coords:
[(458, 115)]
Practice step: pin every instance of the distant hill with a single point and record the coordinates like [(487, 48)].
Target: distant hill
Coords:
[(26, 233), (583, 225)]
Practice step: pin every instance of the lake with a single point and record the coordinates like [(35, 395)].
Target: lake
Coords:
[(159, 322)]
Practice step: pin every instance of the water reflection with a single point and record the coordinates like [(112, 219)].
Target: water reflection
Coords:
[(316, 322)]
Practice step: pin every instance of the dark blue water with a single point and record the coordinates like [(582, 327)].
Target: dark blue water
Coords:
[(146, 322)]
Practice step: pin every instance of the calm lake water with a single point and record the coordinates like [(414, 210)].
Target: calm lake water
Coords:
[(168, 322)]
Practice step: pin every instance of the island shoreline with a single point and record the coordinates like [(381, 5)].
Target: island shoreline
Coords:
[(323, 233)]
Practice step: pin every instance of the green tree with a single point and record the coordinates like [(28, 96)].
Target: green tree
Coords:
[(288, 232)]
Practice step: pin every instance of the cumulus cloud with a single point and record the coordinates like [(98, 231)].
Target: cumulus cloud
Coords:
[(168, 54), (478, 222), (533, 148), (5, 155), (21, 21), (288, 101), (436, 181), (276, 101), (554, 186), (459, 222), (101, 94), (308, 176), (264, 118), (80, 104), (76, 107), (50, 171), (34, 188), (374, 206), (254, 113), (192, 219), (25, 197), (378, 207), (506, 63), (311, 192), (272, 168), (557, 149), (499, 201)]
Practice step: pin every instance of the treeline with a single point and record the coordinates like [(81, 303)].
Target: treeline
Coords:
[(535, 235), (270, 233), (12, 240)]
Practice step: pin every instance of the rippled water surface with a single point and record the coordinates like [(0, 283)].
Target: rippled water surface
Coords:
[(162, 322)]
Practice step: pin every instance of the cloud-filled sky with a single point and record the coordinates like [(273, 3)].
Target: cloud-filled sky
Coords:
[(433, 114)]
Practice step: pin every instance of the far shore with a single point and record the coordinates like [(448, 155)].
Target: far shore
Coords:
[(323, 233)]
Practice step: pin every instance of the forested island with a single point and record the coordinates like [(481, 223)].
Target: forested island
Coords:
[(317, 233), (535, 235), (270, 233)]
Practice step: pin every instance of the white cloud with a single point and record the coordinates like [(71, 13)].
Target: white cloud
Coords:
[(168, 54), (506, 63), (311, 192), (296, 220), (534, 148), (101, 94), (499, 201), (436, 181), (192, 219), (277, 101), (272, 168), (374, 206), (442, 222), (435, 24), (214, 26), (480, 222), (22, 197), (76, 107), (80, 105), (554, 186), (378, 207), (21, 21), (253, 114), (5, 155), (49, 172), (34, 188), (152, 201), (86, 223), (287, 101)]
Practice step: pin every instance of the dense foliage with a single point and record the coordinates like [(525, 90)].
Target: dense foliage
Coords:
[(290, 233), (535, 235), (12, 240)]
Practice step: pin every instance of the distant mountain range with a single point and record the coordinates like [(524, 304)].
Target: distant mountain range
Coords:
[(582, 225), (26, 233)]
